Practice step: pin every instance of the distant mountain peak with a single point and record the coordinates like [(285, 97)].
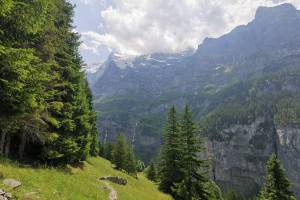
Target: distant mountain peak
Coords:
[(282, 9), (272, 28)]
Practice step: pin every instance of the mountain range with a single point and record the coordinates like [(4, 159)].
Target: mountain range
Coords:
[(244, 89)]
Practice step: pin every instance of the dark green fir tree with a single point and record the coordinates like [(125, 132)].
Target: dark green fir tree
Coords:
[(140, 165), (130, 161), (108, 149), (193, 184), (120, 151), (277, 186), (152, 172), (170, 173)]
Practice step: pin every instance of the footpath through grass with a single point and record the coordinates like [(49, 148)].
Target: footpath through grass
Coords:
[(76, 183)]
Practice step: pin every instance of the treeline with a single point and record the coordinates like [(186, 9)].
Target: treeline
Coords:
[(264, 96), (46, 111), (181, 172), (121, 154)]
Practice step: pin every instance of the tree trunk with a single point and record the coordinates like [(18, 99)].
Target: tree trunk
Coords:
[(7, 145), (22, 146), (2, 143)]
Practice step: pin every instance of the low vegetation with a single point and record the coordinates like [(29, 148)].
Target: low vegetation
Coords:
[(77, 183)]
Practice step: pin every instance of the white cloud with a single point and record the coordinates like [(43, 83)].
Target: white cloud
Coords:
[(147, 26), (101, 3), (87, 2)]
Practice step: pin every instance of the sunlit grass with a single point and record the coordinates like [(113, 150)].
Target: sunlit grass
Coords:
[(78, 183)]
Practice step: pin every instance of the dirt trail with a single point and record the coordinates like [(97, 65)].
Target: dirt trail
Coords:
[(113, 195)]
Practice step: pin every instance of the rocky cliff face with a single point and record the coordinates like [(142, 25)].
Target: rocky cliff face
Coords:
[(288, 152), (239, 160)]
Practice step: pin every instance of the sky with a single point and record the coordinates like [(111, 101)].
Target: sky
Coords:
[(136, 27)]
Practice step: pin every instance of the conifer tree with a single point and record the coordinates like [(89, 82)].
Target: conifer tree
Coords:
[(68, 101), (120, 152), (108, 149), (46, 110), (140, 165), (130, 161), (21, 80), (192, 185), (171, 152), (100, 149), (277, 186), (152, 172), (96, 146), (214, 192)]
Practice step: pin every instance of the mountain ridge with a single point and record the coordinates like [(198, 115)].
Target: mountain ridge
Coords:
[(231, 80)]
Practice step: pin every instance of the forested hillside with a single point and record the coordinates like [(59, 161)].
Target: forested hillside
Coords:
[(46, 112)]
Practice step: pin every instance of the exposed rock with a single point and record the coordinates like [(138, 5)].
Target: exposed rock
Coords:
[(12, 183), (239, 159), (5, 195), (288, 153), (8, 195), (114, 179)]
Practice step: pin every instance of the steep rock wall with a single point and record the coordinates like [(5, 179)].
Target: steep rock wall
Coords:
[(240, 154)]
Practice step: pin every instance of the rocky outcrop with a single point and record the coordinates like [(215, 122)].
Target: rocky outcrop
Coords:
[(12, 183), (240, 154), (5, 195), (114, 179), (289, 154)]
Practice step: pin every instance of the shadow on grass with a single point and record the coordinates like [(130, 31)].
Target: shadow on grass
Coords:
[(26, 164)]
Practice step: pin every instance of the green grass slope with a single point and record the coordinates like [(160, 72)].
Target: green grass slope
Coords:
[(76, 183)]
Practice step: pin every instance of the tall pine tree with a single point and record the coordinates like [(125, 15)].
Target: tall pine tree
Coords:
[(108, 149), (130, 162), (171, 153), (23, 75), (277, 186), (120, 152), (193, 184), (152, 172)]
